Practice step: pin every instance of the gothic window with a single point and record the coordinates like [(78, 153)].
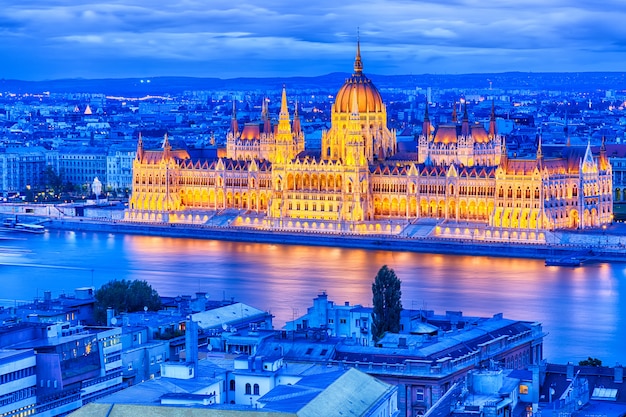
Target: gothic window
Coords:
[(248, 389), (519, 193), (509, 193), (256, 389)]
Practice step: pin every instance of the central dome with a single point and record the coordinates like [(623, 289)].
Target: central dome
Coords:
[(367, 95)]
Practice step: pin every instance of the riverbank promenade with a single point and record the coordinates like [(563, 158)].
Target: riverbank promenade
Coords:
[(421, 235)]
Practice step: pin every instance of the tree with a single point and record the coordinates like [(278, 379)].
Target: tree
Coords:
[(125, 296), (590, 362), (387, 305)]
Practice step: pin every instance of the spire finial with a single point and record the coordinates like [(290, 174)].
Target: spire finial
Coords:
[(283, 101), (358, 65)]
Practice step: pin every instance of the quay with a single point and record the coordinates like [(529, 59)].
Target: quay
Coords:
[(602, 245)]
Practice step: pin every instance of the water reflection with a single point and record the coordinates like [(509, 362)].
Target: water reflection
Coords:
[(582, 309)]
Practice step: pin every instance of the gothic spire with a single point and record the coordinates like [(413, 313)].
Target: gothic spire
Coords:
[(426, 123), (455, 119), (492, 121), (465, 127), (566, 129), (234, 126), (140, 148), (296, 128), (358, 64)]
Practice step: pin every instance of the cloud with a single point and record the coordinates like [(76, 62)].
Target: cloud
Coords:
[(224, 38)]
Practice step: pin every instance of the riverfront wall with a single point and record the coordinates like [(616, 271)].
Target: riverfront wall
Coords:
[(606, 244)]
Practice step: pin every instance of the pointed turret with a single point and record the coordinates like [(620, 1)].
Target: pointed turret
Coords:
[(139, 153), (296, 127), (504, 155), (604, 161), (426, 123), (465, 125), (587, 163), (284, 111), (283, 117), (265, 117), (166, 147), (492, 121), (234, 126), (539, 153), (566, 130)]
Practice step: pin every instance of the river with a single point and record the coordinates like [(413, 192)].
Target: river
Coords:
[(583, 310)]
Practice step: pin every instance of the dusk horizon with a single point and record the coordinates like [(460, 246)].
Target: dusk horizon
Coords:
[(99, 40)]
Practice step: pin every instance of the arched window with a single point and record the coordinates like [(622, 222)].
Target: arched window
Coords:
[(248, 389), (232, 384), (256, 389)]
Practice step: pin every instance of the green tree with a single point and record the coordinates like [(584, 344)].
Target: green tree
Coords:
[(54, 180), (387, 305), (590, 362), (125, 296)]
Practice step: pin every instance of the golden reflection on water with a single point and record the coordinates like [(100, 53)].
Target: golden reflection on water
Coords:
[(583, 309)]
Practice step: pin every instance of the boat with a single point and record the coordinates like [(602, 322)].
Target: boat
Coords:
[(13, 225), (572, 262)]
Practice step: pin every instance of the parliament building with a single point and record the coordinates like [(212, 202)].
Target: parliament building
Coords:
[(461, 178)]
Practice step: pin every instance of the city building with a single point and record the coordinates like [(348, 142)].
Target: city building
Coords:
[(81, 164), (119, 171), (18, 382), (73, 365), (24, 168), (358, 182), (425, 360)]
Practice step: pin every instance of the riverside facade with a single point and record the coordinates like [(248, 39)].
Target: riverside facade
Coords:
[(359, 181)]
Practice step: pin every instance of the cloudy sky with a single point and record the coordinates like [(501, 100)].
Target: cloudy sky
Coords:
[(49, 39)]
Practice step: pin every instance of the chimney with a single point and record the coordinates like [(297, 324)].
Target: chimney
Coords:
[(570, 371), (618, 374), (191, 344), (258, 363), (110, 315), (402, 342)]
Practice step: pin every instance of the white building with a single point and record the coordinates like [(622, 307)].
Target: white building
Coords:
[(18, 382), (119, 171)]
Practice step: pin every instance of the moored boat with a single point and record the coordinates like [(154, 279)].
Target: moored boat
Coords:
[(573, 262), (13, 225)]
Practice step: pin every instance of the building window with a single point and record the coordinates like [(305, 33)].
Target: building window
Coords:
[(342, 321), (523, 389), (419, 394), (256, 389), (248, 389), (232, 384)]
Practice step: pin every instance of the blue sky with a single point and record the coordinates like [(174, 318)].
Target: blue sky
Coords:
[(49, 39)]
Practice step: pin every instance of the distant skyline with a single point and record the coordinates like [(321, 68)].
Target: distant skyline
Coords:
[(55, 39)]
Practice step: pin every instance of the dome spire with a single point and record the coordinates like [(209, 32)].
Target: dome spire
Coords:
[(358, 65)]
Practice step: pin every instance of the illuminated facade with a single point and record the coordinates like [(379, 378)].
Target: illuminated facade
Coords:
[(358, 182)]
